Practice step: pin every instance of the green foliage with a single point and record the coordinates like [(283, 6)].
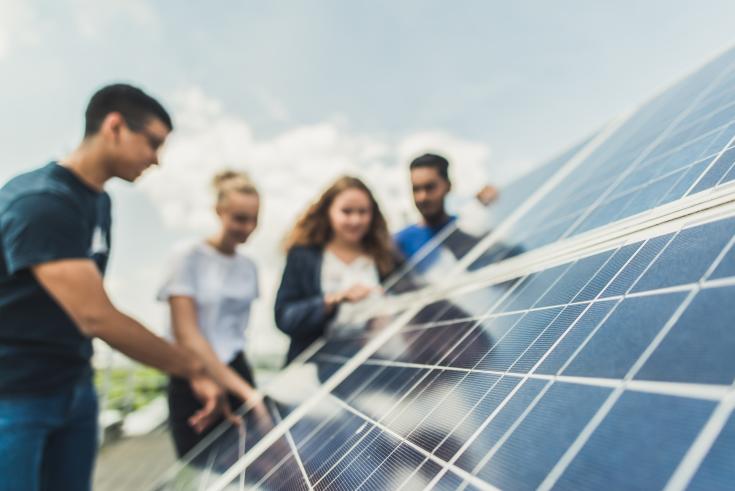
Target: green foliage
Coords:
[(127, 389)]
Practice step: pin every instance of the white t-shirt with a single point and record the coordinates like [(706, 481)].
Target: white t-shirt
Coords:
[(338, 276), (223, 288)]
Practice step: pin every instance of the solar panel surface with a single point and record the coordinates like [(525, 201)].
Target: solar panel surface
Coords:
[(597, 353)]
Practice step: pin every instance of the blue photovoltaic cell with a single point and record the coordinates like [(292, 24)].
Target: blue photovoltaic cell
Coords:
[(392, 381), (547, 338), (688, 255), (638, 444), (575, 336), (451, 481), (726, 267), (573, 280), (408, 419), (501, 420), (355, 466), (508, 349), (469, 422), (312, 424), (287, 476), (435, 425), (700, 348), (621, 339), (535, 288), (531, 451), (717, 171), (630, 273), (332, 442), (473, 348), (717, 471), (425, 346), (397, 468), (729, 176), (687, 177), (607, 272)]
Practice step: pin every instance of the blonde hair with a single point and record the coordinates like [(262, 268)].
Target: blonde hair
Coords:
[(314, 228), (229, 181)]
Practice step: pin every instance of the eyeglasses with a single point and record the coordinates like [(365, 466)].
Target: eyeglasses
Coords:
[(154, 141)]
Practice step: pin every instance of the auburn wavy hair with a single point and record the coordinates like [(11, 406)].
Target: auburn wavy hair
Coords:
[(314, 229)]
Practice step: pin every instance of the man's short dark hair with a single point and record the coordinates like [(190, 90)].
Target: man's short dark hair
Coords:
[(135, 106), (433, 161)]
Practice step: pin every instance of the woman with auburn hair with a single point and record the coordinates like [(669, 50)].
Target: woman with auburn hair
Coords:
[(209, 289), (338, 254)]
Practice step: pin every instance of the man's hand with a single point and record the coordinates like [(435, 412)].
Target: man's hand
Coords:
[(214, 404), (487, 194)]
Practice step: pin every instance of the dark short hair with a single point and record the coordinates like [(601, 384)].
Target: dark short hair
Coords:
[(433, 161), (135, 106)]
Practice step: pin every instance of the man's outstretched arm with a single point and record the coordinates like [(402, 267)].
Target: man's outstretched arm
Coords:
[(77, 287)]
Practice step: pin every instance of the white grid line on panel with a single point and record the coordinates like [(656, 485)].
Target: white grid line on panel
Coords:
[(397, 403), (667, 218), (456, 470), (295, 452), (670, 217), (714, 392), (519, 420), (697, 452), (406, 392), (477, 403), (515, 389), (581, 440), (721, 180), (711, 164), (499, 232), (526, 376), (686, 390), (649, 148), (612, 399), (272, 436)]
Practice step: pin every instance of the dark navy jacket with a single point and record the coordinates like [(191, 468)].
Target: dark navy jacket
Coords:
[(300, 310)]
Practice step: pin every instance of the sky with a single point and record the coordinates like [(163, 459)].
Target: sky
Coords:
[(297, 93)]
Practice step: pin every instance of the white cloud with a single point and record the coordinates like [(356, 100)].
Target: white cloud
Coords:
[(19, 26), (273, 106), (290, 168), (94, 18)]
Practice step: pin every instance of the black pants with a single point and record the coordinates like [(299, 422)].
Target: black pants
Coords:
[(182, 403)]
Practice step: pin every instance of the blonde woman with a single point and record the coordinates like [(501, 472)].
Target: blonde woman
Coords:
[(338, 253), (209, 290)]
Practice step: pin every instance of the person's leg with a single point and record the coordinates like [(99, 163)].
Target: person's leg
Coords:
[(240, 365), (181, 405), (69, 456), (25, 423)]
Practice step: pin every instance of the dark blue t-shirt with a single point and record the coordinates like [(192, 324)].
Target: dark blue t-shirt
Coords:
[(414, 237), (45, 215)]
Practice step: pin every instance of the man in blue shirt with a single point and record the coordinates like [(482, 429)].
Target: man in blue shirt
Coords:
[(54, 244), (430, 185)]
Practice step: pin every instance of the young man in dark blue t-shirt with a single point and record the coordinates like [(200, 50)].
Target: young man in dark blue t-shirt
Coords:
[(54, 243), (430, 185)]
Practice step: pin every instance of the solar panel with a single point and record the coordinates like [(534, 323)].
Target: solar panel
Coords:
[(584, 342)]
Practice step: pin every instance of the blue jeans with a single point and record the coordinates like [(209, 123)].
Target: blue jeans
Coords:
[(49, 441)]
